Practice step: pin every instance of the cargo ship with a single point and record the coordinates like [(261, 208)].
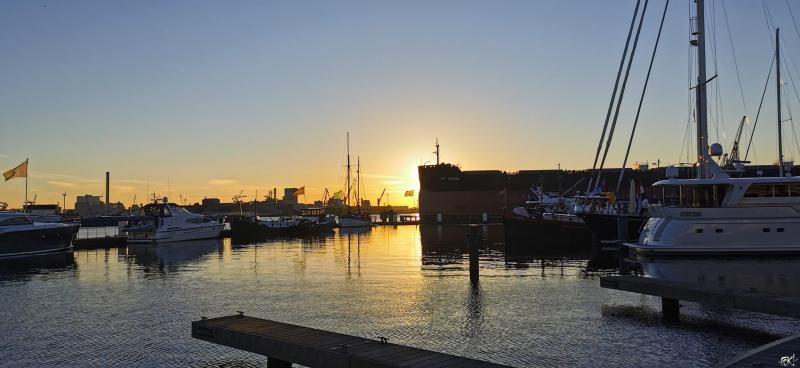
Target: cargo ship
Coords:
[(451, 195)]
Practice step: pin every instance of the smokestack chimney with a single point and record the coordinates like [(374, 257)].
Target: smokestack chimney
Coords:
[(108, 179)]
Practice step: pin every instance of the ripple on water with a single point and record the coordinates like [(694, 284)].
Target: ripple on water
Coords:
[(132, 306)]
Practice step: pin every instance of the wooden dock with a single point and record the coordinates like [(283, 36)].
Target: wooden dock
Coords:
[(781, 353), (284, 344), (671, 292)]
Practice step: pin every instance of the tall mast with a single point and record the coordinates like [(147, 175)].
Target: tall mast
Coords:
[(347, 202), (778, 84), (358, 185), (700, 93)]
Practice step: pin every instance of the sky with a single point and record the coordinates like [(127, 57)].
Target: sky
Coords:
[(197, 99)]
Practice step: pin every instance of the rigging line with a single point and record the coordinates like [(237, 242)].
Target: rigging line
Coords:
[(641, 99), (791, 120), (622, 91), (614, 93), (733, 53), (760, 104), (793, 19)]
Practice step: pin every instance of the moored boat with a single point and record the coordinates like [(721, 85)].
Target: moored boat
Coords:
[(21, 236), (162, 222)]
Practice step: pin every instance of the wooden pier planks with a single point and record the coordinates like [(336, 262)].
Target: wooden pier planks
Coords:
[(749, 300), (318, 348)]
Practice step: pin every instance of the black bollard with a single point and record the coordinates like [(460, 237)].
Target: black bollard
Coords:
[(474, 239)]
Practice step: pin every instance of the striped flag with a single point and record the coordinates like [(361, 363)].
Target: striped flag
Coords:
[(410, 193)]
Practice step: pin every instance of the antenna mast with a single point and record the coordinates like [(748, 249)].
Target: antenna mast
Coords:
[(437, 151), (348, 173)]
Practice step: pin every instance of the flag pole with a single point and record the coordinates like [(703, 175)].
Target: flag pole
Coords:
[(26, 185)]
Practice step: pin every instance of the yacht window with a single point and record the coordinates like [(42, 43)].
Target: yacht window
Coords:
[(758, 191), (794, 190), (766, 229), (19, 220), (781, 190), (780, 229)]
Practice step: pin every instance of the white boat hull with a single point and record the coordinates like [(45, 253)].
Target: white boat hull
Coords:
[(162, 235), (721, 231)]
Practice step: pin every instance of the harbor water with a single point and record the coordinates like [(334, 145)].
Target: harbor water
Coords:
[(132, 306)]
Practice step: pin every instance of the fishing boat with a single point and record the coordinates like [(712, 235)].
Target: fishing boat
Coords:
[(162, 222), (714, 213), (22, 236), (354, 219)]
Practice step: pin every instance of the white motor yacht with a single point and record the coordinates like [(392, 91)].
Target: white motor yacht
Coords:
[(714, 213), (162, 222)]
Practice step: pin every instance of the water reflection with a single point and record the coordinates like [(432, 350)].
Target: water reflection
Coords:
[(169, 257), (774, 275), (23, 268), (446, 245)]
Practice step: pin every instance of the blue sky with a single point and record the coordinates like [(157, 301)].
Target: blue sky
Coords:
[(207, 98)]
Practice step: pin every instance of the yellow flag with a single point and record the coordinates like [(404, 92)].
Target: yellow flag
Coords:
[(20, 171), (300, 191), (409, 193)]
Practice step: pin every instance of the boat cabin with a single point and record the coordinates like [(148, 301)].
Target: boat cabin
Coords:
[(728, 192), (14, 219)]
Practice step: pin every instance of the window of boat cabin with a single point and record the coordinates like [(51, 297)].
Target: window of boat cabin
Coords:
[(693, 195), (18, 220), (773, 190)]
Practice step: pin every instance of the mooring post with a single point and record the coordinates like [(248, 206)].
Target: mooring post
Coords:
[(622, 228), (277, 363), (670, 309), (473, 245)]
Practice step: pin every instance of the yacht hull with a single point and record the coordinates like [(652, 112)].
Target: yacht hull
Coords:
[(606, 227), (175, 235), (37, 241)]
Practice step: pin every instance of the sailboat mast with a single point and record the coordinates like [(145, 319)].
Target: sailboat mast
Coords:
[(778, 84), (358, 185), (700, 94), (347, 202)]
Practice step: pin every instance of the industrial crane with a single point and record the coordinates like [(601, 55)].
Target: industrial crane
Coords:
[(237, 199), (381, 197), (732, 160), (325, 195)]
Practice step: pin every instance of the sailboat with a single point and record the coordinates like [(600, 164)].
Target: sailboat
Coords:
[(714, 213), (356, 219)]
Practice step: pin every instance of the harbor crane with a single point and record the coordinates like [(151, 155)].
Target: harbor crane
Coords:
[(237, 199), (325, 197), (732, 160), (381, 196)]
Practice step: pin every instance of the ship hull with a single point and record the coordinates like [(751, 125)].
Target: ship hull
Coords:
[(606, 227)]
